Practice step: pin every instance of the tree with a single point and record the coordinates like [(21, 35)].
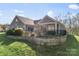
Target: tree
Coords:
[(4, 27)]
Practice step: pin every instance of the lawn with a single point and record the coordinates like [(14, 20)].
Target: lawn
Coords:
[(16, 47)]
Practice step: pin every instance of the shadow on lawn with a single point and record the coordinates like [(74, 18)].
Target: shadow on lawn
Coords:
[(70, 47), (72, 42), (4, 40)]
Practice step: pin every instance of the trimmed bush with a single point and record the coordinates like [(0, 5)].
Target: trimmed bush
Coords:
[(15, 32), (25, 33), (18, 32), (10, 32)]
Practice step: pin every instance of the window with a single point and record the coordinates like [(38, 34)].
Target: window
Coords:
[(50, 27), (30, 29), (16, 20)]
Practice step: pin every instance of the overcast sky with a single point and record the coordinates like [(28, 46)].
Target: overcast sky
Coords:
[(35, 11)]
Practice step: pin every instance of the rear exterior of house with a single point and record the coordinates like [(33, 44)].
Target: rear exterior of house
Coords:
[(23, 23), (48, 24), (40, 27)]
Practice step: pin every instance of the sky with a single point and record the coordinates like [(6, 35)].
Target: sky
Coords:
[(35, 11)]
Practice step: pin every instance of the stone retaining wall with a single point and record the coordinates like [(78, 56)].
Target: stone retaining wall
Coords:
[(42, 41), (50, 41)]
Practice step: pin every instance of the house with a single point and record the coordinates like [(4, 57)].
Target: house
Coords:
[(38, 26), (22, 22), (1, 29), (48, 24), (6, 27)]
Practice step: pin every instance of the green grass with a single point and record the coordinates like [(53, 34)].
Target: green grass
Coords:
[(16, 47)]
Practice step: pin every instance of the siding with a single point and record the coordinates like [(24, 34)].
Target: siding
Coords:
[(17, 24)]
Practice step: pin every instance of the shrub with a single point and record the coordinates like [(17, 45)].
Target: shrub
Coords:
[(15, 32), (25, 33), (10, 32), (62, 32), (18, 32), (32, 35), (50, 32)]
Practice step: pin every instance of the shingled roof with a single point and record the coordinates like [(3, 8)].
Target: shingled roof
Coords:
[(28, 21), (47, 19), (25, 20), (36, 21)]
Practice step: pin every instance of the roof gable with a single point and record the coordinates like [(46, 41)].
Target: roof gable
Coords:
[(25, 20), (36, 21), (46, 19)]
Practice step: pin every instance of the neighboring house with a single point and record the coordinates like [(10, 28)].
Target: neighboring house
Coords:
[(38, 26), (1, 29), (6, 27)]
